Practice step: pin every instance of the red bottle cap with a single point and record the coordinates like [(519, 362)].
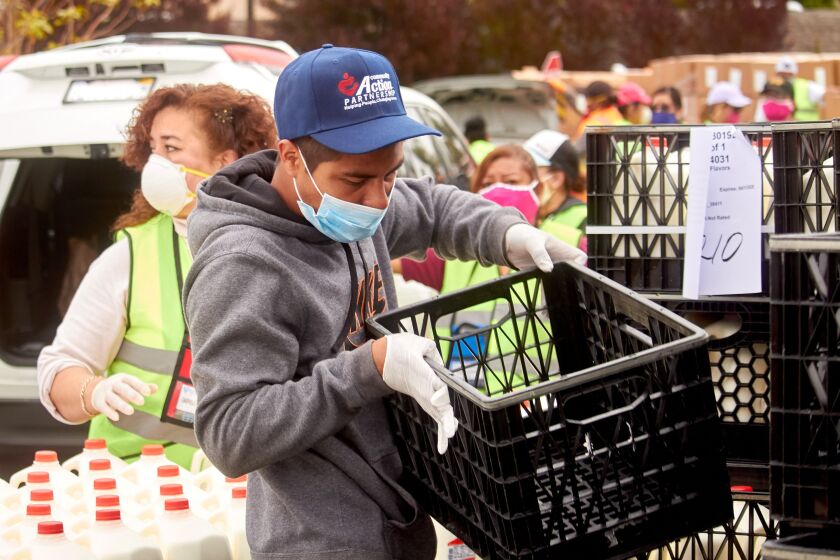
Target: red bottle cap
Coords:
[(104, 484), (108, 501), (108, 515), (50, 528), (100, 464), (95, 444), (166, 471), (171, 489), (177, 504), (239, 493), (46, 457), (41, 495), (243, 478), (38, 509), (152, 449), (37, 477)]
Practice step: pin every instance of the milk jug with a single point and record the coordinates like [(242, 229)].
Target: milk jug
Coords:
[(218, 492), (52, 544), (184, 536), (18, 498), (93, 449), (46, 461), (173, 474), (46, 496), (19, 535), (232, 521), (110, 539), (143, 472)]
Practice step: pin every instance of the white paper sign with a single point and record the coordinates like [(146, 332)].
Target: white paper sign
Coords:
[(723, 233)]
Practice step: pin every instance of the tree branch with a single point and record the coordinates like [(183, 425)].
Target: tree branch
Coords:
[(91, 27), (120, 21)]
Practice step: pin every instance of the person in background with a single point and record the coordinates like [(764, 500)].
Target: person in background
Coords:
[(475, 129), (566, 106), (807, 95), (723, 104), (560, 214), (508, 177), (121, 346), (666, 106), (776, 102), (633, 103), (601, 109)]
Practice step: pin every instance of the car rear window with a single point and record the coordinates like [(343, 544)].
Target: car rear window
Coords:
[(444, 158), (56, 218)]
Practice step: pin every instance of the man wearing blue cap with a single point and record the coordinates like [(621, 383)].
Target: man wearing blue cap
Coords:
[(292, 250)]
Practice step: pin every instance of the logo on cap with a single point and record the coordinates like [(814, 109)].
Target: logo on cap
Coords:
[(348, 85), (371, 90)]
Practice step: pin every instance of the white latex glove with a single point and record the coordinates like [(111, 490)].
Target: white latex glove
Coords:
[(406, 371), (528, 247), (116, 393)]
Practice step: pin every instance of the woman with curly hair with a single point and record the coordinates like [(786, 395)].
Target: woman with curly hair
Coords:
[(121, 357)]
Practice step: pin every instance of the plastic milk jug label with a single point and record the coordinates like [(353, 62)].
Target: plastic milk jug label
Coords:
[(459, 551), (187, 400), (723, 233)]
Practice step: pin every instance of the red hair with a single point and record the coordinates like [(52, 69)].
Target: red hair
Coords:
[(229, 119)]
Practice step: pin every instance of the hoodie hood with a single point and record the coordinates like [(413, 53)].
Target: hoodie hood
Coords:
[(242, 194)]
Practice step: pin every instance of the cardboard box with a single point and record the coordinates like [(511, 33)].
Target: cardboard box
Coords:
[(831, 105), (674, 71)]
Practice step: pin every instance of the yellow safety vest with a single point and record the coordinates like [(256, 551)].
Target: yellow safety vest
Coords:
[(567, 225), (153, 342), (805, 109)]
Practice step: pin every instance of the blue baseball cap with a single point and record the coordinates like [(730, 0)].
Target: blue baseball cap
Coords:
[(347, 99)]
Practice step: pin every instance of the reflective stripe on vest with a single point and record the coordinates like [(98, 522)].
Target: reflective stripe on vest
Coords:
[(154, 333), (149, 359), (566, 225), (805, 109)]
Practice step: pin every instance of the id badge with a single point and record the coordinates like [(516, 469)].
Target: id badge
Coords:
[(179, 407)]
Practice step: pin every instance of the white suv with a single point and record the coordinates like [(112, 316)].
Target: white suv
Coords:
[(62, 116)]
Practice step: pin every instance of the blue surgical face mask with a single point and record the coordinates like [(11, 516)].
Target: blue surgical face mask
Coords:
[(663, 117), (338, 219)]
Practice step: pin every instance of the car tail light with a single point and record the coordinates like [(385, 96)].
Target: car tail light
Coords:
[(270, 58), (5, 59)]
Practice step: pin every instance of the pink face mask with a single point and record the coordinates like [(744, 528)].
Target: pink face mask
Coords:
[(521, 197), (733, 118), (777, 110)]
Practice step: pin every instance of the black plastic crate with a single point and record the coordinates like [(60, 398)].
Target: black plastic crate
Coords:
[(805, 171), (741, 538), (822, 545), (739, 359), (587, 419), (805, 380), (637, 189)]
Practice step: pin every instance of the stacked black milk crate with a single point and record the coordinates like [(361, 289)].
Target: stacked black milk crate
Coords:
[(741, 538), (805, 492), (805, 393), (638, 179), (637, 204), (588, 426)]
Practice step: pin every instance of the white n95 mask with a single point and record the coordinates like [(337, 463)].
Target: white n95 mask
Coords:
[(164, 184)]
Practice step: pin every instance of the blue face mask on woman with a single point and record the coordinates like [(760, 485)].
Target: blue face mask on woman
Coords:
[(663, 117), (338, 219)]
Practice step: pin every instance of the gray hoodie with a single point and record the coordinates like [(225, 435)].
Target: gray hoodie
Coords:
[(287, 388)]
